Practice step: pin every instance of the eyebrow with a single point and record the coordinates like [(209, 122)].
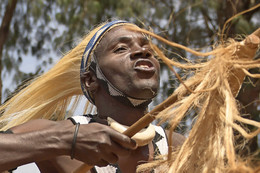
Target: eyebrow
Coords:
[(127, 39), (124, 39)]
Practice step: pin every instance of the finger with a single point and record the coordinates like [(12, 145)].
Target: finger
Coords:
[(102, 163), (119, 150), (110, 157), (123, 140)]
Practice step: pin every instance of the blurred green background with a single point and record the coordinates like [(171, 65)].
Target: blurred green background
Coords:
[(35, 34)]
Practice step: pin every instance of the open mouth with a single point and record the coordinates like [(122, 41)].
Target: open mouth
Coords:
[(144, 65)]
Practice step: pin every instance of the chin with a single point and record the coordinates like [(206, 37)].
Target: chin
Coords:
[(145, 92), (142, 89)]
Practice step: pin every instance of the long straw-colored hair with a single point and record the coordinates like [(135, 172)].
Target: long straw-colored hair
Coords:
[(50, 95)]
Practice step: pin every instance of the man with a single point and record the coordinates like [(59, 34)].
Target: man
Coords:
[(120, 76)]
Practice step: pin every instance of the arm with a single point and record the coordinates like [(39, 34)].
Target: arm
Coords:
[(28, 146), (39, 140)]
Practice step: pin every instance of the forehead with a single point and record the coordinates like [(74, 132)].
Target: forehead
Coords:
[(120, 34), (120, 31)]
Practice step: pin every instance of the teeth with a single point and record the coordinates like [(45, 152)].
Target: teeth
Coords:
[(143, 66)]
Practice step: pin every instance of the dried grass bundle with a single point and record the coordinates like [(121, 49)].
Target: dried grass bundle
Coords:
[(210, 146)]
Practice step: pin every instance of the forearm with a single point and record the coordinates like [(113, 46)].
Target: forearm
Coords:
[(38, 140), (32, 145)]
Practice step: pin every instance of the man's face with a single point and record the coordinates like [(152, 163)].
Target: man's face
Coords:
[(127, 61)]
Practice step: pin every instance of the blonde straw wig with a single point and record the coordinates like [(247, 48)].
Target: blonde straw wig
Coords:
[(49, 95)]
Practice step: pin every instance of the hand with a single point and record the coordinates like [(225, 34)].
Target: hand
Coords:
[(100, 145)]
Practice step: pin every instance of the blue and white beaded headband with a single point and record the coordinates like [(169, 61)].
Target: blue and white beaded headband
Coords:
[(88, 50)]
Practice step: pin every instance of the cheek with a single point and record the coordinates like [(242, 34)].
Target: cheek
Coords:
[(157, 64), (118, 67), (115, 70)]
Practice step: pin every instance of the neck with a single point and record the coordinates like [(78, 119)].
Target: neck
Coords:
[(108, 106)]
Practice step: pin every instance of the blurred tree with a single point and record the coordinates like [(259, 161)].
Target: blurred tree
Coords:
[(4, 30), (46, 29)]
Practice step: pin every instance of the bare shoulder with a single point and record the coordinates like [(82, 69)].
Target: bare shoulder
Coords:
[(177, 138)]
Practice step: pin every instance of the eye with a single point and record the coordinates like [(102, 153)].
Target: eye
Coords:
[(120, 49)]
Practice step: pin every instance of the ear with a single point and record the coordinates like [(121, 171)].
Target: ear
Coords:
[(90, 81)]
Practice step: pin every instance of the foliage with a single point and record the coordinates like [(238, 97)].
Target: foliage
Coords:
[(44, 30)]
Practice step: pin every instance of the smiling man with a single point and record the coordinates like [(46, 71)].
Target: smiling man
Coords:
[(119, 74)]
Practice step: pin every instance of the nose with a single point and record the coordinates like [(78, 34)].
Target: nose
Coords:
[(141, 52)]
